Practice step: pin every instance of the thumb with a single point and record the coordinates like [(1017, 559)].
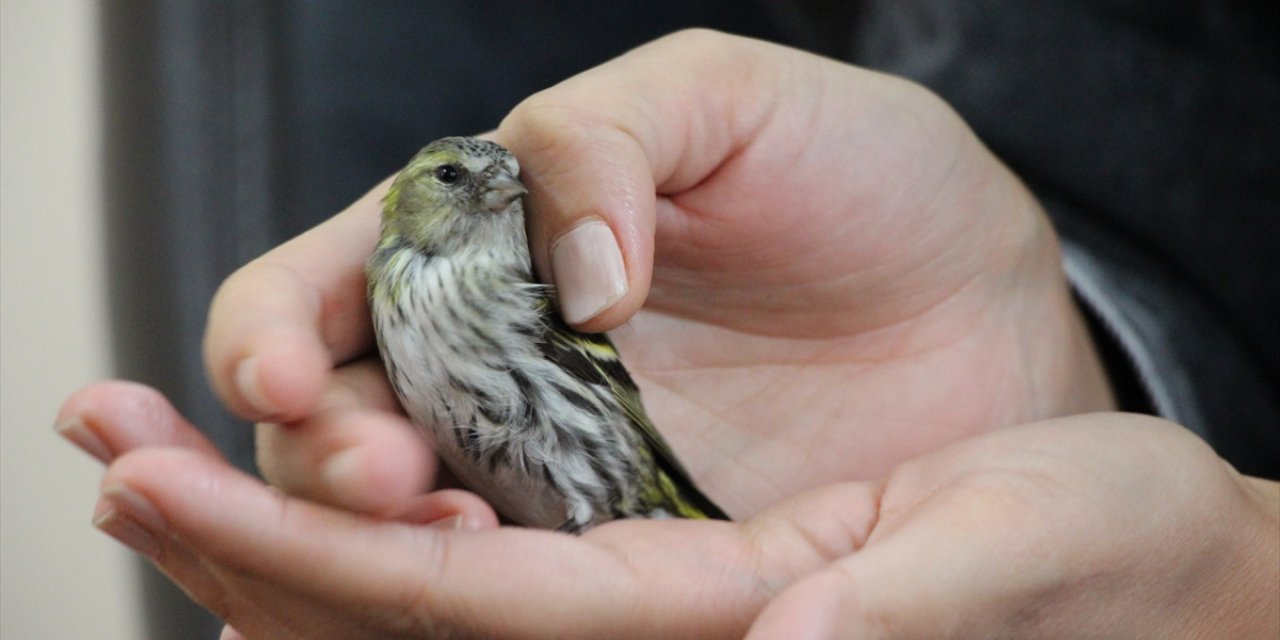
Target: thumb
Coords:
[(820, 606), (598, 150), (591, 202), (871, 594), (969, 560)]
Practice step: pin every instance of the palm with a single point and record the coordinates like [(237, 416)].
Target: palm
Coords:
[(768, 348)]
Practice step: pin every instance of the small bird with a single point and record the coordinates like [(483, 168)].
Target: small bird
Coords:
[(541, 420)]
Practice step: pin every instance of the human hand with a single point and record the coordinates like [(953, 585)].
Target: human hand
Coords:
[(1105, 525), (281, 567), (836, 276), (1093, 526)]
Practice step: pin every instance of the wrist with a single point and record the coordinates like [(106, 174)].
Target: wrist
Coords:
[(1266, 495), (1062, 369), (1257, 601), (1241, 601)]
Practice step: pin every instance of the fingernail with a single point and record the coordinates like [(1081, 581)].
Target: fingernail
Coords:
[(587, 266), (76, 432), (250, 387), (229, 633), (452, 523), (339, 474), (130, 519)]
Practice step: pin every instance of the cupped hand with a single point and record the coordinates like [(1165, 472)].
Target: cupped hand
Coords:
[(1104, 525), (1093, 526), (278, 567), (835, 276)]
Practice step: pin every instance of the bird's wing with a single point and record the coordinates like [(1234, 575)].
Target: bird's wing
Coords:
[(592, 358)]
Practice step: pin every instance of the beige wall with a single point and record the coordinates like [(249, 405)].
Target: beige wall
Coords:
[(59, 578)]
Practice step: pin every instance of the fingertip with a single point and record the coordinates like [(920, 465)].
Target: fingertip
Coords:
[(229, 633), (108, 419), (804, 611), (450, 509), (94, 396), (379, 477), (148, 470), (153, 486), (278, 325), (248, 382), (195, 493), (75, 431), (588, 270), (369, 462), (281, 380), (591, 209), (70, 422)]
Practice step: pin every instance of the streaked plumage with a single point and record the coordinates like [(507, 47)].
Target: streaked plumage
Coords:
[(541, 420)]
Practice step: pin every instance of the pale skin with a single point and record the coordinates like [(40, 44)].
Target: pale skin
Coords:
[(846, 298)]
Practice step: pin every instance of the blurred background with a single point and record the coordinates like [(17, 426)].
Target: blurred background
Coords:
[(150, 147), (59, 577)]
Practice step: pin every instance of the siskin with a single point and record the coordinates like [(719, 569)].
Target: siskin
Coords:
[(539, 419)]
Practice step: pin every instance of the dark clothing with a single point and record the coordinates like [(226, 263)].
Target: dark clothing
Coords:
[(1151, 132)]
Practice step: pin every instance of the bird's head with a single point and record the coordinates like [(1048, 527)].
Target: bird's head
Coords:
[(458, 193)]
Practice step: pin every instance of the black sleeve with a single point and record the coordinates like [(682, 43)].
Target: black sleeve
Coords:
[(1164, 343), (1148, 129)]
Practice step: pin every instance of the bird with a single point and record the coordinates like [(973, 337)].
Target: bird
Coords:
[(541, 420)]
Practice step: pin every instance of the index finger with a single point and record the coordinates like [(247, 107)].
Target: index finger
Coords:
[(279, 325)]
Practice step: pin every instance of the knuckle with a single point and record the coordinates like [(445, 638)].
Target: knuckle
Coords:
[(701, 40), (550, 124)]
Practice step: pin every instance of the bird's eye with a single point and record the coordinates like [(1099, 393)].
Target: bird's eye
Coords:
[(447, 173)]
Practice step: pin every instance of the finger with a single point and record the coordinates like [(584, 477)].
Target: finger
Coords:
[(395, 576), (353, 451), (641, 578), (740, 572), (365, 462), (973, 562), (594, 159), (925, 592), (808, 610), (814, 528), (137, 525), (252, 538), (109, 419), (360, 565), (279, 324)]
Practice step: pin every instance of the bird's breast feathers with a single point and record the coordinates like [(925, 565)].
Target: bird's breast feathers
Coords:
[(462, 344)]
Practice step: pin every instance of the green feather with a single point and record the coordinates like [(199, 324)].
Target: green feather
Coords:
[(592, 358)]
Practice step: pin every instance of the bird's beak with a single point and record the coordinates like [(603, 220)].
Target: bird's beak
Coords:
[(501, 190)]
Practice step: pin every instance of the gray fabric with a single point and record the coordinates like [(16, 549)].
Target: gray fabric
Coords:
[(1177, 349), (1121, 301)]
